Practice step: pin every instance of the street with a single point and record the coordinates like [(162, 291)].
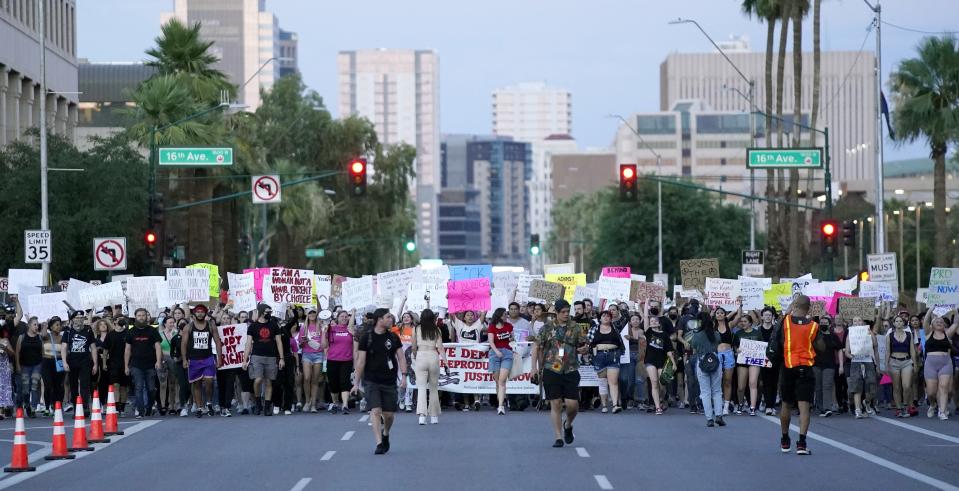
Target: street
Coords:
[(469, 451)]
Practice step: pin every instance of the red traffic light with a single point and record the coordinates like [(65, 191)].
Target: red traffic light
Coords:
[(829, 229), (150, 238), (628, 172), (357, 167)]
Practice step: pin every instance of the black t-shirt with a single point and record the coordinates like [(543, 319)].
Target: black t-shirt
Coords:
[(79, 345), (31, 350), (142, 341), (200, 344), (115, 344), (381, 365), (264, 338), (657, 345)]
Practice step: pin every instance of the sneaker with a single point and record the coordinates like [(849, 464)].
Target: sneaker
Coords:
[(210, 409), (769, 411), (898, 413), (184, 412), (332, 408), (905, 414), (568, 434), (312, 409), (617, 409), (931, 411), (346, 410), (276, 410), (822, 414), (245, 411), (138, 416), (379, 449), (558, 443), (739, 410), (69, 409), (692, 409), (476, 406), (870, 411), (720, 421), (422, 420), (386, 443), (501, 410), (785, 444), (299, 407), (227, 413), (943, 416), (801, 448), (859, 413), (402, 406), (604, 410), (752, 411), (725, 408), (828, 413), (710, 423), (466, 409), (912, 411), (434, 420), (198, 413), (659, 411), (287, 412)]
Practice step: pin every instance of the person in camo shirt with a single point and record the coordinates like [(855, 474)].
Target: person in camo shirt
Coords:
[(555, 351)]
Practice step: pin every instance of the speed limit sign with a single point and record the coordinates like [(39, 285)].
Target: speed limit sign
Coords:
[(37, 246)]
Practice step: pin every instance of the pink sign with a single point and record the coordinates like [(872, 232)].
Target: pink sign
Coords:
[(466, 295), (258, 275), (833, 303), (616, 271)]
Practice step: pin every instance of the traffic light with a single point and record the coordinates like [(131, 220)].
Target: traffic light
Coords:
[(150, 241), (358, 177), (410, 246), (627, 182), (169, 244), (156, 210), (827, 236), (849, 233), (534, 244)]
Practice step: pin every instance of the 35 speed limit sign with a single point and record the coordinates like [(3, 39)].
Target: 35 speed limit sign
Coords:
[(37, 246)]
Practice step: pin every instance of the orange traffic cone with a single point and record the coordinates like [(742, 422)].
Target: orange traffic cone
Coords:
[(80, 430), (60, 451), (96, 422), (19, 461), (112, 425)]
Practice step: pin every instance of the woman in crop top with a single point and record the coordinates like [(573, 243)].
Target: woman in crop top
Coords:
[(607, 347), (938, 369), (724, 327), (499, 335), (900, 360)]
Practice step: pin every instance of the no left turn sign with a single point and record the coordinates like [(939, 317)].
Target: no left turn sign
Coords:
[(266, 189), (110, 254)]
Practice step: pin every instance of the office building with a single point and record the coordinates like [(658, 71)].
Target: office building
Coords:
[(20, 67), (542, 116), (398, 91), (847, 105), (106, 94), (582, 173), (246, 37)]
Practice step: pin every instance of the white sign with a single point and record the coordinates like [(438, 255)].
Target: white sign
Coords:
[(878, 290), (882, 267), (943, 287), (110, 254), (921, 295), (47, 305), (522, 286), (860, 342), (565, 268), (188, 284), (266, 189), (752, 289), (395, 283), (662, 279), (233, 339), (722, 292), (242, 295), (37, 246), (613, 288), (18, 278), (358, 293), (506, 279), (105, 295), (752, 353), (500, 297), (323, 289), (416, 294), (584, 292), (142, 293)]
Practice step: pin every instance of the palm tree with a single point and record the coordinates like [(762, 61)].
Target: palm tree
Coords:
[(180, 51), (926, 96)]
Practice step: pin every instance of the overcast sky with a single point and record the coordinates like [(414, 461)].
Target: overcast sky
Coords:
[(607, 53)]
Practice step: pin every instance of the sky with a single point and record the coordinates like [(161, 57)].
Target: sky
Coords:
[(605, 52)]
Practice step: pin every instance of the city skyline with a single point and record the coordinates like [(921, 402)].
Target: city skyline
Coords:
[(599, 69)]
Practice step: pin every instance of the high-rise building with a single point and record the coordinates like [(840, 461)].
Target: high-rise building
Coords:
[(245, 37), (542, 116), (847, 104), (20, 67), (398, 91), (106, 91)]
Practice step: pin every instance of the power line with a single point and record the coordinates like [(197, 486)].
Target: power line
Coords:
[(851, 67), (919, 31)]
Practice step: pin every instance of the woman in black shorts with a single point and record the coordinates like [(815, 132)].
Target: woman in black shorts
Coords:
[(658, 348)]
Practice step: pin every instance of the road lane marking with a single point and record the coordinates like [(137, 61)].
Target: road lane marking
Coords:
[(301, 484), (347, 435), (364, 418), (917, 429), (603, 482), (875, 459), (582, 452), (13, 480), (328, 455)]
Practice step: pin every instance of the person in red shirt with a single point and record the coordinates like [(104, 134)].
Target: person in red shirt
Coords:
[(499, 335)]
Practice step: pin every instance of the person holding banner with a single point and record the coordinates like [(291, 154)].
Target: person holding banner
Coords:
[(499, 335), (199, 337), (377, 367), (427, 353), (556, 366), (747, 375), (607, 346), (900, 362), (938, 369)]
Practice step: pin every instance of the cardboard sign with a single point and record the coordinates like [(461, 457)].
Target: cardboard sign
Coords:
[(695, 271), (565, 268), (190, 283), (611, 288), (569, 282), (616, 271), (545, 291), (358, 293), (466, 295), (852, 307), (242, 292), (642, 291), (817, 308), (233, 339), (752, 353)]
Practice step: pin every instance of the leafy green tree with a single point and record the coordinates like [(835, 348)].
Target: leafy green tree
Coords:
[(926, 95)]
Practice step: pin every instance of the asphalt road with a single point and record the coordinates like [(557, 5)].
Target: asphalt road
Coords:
[(483, 451)]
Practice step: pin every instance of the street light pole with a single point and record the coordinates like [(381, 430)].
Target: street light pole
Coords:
[(44, 189), (880, 240)]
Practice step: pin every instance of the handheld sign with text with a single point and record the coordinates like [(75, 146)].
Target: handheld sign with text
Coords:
[(643, 291), (882, 267), (852, 307), (752, 353), (943, 287), (695, 271), (233, 339), (569, 282), (466, 295), (616, 271), (545, 291)]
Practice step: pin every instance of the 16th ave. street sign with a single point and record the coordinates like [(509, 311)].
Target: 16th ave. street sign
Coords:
[(784, 158), (196, 156)]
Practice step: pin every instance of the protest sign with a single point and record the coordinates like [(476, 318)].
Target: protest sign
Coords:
[(395, 283), (587, 292), (921, 295), (23, 277), (637, 277), (852, 307), (471, 271), (773, 295), (832, 305), (569, 282), (943, 287), (752, 353), (545, 292), (662, 279), (190, 283), (882, 291), (643, 291), (291, 286), (751, 290), (242, 292), (259, 274), (74, 288), (46, 305), (500, 297), (233, 341), (860, 340), (817, 308), (167, 297), (142, 294), (416, 297), (323, 290), (523, 284), (695, 271), (616, 272), (468, 372), (505, 279), (565, 268), (357, 293), (882, 350), (612, 288), (465, 295), (214, 276), (98, 297), (336, 289), (722, 292), (800, 284)]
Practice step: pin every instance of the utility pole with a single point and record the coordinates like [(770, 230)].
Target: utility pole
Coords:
[(880, 239), (44, 208)]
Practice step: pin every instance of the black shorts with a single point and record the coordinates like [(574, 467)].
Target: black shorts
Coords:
[(561, 386), (797, 384), (117, 375), (338, 375), (381, 396)]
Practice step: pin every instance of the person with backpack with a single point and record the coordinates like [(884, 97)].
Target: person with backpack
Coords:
[(704, 344), (377, 367)]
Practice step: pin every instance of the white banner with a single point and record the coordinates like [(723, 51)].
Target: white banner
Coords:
[(468, 366), (752, 353), (142, 293), (242, 293), (105, 295), (395, 283), (47, 305), (191, 284), (613, 288), (358, 293)]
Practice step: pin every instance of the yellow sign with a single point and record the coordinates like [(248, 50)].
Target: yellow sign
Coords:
[(772, 296), (569, 282), (214, 276)]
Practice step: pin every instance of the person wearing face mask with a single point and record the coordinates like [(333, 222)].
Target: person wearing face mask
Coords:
[(691, 321), (142, 359), (659, 348), (264, 345), (198, 339), (825, 368), (769, 374), (77, 348)]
